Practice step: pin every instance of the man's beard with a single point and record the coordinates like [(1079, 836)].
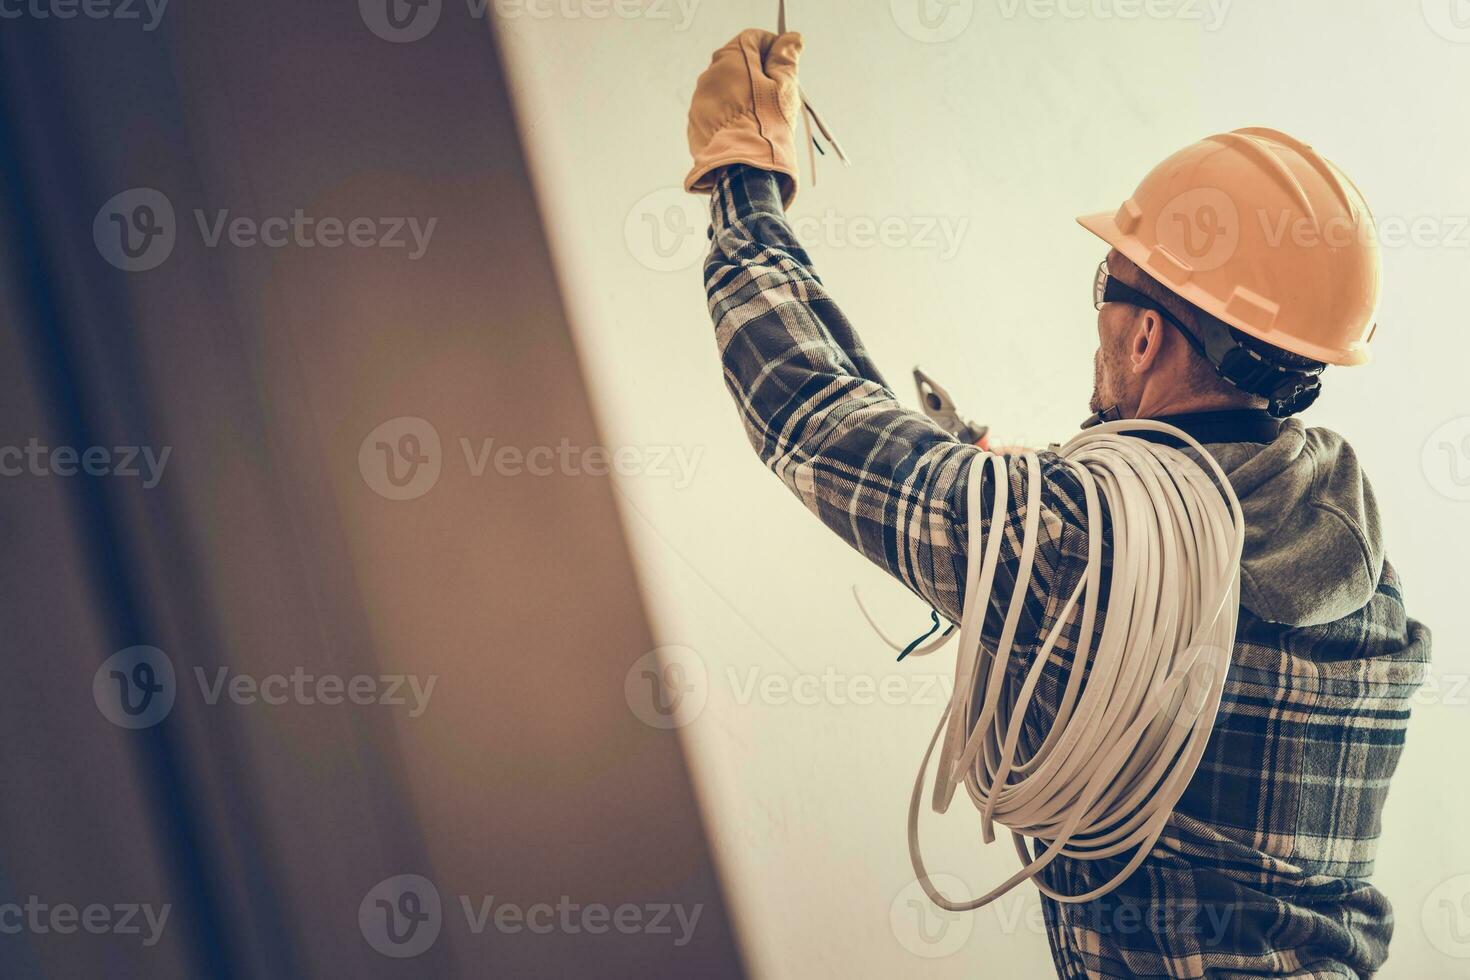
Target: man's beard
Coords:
[(1095, 404)]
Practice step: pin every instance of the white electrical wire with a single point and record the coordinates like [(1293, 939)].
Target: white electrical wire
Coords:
[(1124, 745), (809, 114)]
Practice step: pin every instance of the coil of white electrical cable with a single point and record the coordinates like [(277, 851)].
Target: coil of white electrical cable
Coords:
[(1124, 745)]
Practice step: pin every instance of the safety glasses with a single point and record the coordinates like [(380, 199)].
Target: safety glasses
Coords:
[(1107, 289)]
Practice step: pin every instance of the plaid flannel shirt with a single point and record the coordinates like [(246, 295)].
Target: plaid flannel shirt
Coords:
[(1262, 868)]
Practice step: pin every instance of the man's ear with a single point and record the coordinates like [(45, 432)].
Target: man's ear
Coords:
[(1147, 343)]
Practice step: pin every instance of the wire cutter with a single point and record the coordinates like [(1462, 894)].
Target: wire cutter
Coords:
[(941, 408)]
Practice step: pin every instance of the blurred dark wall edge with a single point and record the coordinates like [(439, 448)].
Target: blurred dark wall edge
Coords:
[(78, 109)]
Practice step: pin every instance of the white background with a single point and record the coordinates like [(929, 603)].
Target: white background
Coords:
[(1001, 133)]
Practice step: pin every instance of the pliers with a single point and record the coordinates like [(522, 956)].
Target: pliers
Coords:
[(941, 408)]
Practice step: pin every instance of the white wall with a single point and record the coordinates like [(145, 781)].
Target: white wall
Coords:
[(1000, 135)]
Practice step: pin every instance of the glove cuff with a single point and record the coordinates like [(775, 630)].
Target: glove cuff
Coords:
[(705, 175)]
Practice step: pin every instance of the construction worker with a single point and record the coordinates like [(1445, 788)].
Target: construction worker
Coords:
[(1221, 325)]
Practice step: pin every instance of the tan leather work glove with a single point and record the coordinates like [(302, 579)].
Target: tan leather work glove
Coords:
[(745, 108)]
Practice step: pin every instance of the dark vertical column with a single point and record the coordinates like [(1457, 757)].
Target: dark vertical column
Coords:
[(210, 251)]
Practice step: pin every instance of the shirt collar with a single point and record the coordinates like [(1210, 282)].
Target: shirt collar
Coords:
[(1226, 425)]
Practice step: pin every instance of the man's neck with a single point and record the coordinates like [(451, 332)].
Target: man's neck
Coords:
[(1159, 406)]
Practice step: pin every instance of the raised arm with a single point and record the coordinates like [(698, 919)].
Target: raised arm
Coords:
[(885, 478)]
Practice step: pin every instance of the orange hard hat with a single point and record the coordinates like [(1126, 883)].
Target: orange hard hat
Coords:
[(1259, 230)]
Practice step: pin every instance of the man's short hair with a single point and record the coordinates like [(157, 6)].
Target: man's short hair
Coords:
[(1203, 372)]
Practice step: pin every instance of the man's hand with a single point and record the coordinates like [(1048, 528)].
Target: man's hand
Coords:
[(745, 108)]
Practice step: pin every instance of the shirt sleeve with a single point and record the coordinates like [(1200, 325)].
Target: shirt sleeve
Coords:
[(885, 478)]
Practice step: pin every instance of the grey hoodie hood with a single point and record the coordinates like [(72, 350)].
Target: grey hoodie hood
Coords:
[(1313, 543)]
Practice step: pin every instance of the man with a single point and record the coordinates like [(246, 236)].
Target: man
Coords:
[(1262, 869)]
